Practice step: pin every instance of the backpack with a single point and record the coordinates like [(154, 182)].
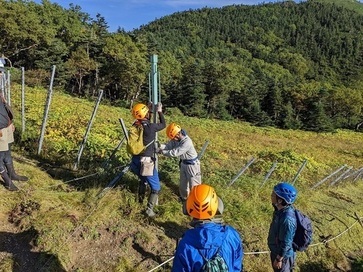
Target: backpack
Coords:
[(135, 142), (304, 232), (215, 264)]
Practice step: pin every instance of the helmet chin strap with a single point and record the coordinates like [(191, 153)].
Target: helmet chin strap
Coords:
[(277, 205)]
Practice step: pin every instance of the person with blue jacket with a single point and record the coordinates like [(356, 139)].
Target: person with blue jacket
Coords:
[(208, 236), (282, 228)]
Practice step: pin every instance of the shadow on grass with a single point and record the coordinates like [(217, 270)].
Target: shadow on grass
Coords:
[(147, 255), (20, 246), (357, 265), (167, 179), (92, 171), (173, 230), (66, 166), (313, 267)]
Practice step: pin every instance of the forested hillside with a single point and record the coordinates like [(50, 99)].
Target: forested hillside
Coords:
[(282, 64), (285, 64)]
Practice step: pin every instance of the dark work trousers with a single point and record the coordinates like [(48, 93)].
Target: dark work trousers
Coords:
[(287, 263), (3, 154)]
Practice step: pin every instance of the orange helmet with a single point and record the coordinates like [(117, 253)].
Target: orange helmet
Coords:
[(202, 202), (139, 111), (172, 130)]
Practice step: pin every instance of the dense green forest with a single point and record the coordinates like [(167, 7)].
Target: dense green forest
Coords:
[(285, 64)]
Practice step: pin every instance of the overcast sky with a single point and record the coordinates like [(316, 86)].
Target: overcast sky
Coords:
[(130, 14)]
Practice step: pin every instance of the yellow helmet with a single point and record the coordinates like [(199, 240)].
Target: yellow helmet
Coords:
[(172, 130), (202, 202), (139, 111)]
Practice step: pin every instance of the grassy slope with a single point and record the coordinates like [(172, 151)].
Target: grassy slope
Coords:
[(349, 4), (75, 231)]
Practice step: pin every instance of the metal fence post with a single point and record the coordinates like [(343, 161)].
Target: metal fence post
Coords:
[(326, 178), (269, 173), (298, 172), (8, 91), (360, 172), (242, 171), (46, 111), (22, 100), (341, 176), (75, 167)]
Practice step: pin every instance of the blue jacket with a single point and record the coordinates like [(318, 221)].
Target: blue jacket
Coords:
[(208, 238), (282, 232)]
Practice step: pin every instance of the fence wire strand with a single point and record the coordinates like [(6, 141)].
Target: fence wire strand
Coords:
[(267, 251)]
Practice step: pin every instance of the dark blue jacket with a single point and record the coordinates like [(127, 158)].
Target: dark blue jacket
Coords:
[(208, 238), (282, 232), (4, 116), (150, 130)]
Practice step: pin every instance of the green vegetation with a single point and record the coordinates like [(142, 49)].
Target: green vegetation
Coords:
[(285, 64), (67, 227)]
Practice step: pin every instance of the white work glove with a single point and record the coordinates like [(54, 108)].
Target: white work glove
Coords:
[(159, 107), (150, 106)]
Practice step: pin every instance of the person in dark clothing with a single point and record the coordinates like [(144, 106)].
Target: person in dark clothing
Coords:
[(282, 228), (146, 159), (7, 128)]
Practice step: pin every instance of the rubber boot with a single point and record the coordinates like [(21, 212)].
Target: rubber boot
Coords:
[(184, 206), (142, 191), (8, 182), (13, 175), (153, 199)]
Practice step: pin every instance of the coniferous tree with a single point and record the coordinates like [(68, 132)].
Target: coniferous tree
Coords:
[(191, 92), (317, 118), (290, 120)]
